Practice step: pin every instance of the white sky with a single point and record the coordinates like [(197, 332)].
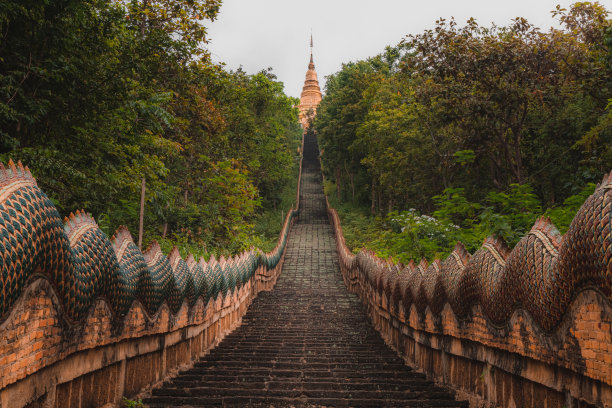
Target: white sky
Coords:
[(276, 33)]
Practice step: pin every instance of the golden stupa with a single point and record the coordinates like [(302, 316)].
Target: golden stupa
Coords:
[(311, 93)]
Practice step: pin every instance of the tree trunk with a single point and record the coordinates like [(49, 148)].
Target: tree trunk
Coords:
[(143, 22), (142, 203), (338, 183), (516, 130), (373, 206), (351, 178), (519, 160), (165, 230)]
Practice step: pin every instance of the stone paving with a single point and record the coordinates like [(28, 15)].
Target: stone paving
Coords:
[(308, 342)]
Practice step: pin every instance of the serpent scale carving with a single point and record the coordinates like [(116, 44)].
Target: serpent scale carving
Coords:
[(542, 274), (83, 264)]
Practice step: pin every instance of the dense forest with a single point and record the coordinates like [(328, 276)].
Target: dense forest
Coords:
[(456, 133), (97, 95), (461, 132)]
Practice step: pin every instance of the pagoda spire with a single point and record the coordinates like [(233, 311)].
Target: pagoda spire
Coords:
[(311, 92), (311, 60)]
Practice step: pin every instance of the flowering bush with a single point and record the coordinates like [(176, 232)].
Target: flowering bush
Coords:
[(410, 235)]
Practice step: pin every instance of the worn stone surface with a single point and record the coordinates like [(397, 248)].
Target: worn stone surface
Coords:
[(144, 352), (308, 342)]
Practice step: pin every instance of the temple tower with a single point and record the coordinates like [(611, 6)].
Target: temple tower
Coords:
[(311, 93)]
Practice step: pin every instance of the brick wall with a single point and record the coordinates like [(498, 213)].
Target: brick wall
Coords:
[(46, 361), (512, 365)]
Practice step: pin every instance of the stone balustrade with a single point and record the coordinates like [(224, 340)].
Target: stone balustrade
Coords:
[(528, 327)]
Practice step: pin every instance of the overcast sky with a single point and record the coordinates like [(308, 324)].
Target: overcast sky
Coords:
[(276, 33)]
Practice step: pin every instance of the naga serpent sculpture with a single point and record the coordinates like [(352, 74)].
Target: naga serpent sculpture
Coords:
[(84, 265), (542, 274)]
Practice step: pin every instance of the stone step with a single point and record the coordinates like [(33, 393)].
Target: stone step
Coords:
[(196, 393), (307, 373), (314, 350), (310, 344), (267, 401), (303, 359), (297, 391), (306, 343), (279, 381), (337, 365)]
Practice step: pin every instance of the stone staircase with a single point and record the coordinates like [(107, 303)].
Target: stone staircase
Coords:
[(306, 343)]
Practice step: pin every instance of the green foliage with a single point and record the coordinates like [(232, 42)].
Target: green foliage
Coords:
[(464, 157), (269, 223), (485, 128), (472, 107), (415, 236), (185, 245), (96, 95), (410, 235), (359, 227), (179, 18), (563, 215), (510, 215), (128, 403), (452, 205)]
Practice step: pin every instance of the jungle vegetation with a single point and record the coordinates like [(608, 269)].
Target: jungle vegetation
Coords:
[(96, 95), (465, 131)]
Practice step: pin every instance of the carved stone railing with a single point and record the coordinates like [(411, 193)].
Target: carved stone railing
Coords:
[(86, 320), (527, 327)]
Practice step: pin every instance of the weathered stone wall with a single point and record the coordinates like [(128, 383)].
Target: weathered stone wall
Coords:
[(513, 364), (85, 320), (45, 362)]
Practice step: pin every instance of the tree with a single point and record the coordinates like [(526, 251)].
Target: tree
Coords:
[(98, 94), (180, 19), (476, 108)]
